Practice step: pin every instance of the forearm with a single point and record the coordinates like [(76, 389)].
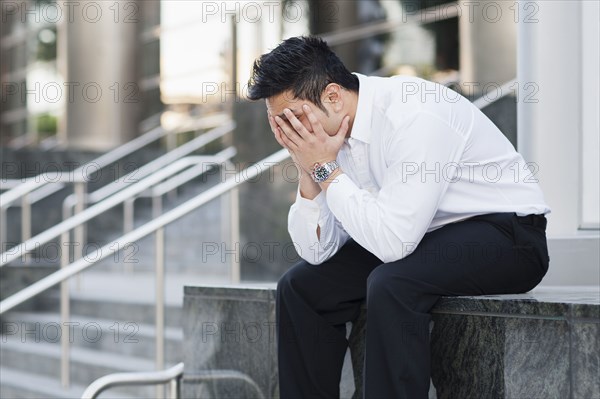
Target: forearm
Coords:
[(314, 230)]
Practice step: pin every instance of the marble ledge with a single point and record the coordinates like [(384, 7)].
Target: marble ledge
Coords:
[(258, 291), (569, 302), (540, 344)]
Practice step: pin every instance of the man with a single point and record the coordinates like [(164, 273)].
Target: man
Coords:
[(407, 193)]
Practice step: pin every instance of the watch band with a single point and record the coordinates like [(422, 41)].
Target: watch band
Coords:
[(321, 172)]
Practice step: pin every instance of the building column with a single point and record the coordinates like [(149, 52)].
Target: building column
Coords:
[(101, 52), (488, 40), (549, 103)]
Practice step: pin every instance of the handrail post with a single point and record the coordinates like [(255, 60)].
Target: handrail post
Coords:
[(160, 305), (65, 310), (25, 218), (156, 205), (234, 230), (128, 225), (174, 388), (230, 217), (80, 188), (128, 215), (234, 60), (3, 232), (25, 221)]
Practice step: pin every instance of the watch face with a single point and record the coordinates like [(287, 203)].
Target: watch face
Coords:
[(321, 173)]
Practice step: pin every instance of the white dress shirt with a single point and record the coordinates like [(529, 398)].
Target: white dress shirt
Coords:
[(419, 156)]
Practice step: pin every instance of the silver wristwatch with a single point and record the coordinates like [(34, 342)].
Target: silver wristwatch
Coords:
[(321, 172)]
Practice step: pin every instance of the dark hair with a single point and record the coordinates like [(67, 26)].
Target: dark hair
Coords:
[(304, 65)]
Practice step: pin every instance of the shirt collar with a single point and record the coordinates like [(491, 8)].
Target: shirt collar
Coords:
[(361, 128)]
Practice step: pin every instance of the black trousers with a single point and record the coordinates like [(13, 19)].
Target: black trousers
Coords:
[(498, 253)]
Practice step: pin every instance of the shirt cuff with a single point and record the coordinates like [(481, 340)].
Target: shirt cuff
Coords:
[(312, 208), (338, 193)]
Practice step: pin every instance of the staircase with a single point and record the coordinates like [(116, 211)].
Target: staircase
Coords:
[(112, 311), (107, 336), (112, 320)]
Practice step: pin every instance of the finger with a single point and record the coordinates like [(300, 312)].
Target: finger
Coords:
[(272, 124), (274, 129), (287, 143), (276, 134), (288, 132), (279, 139), (297, 125), (314, 122)]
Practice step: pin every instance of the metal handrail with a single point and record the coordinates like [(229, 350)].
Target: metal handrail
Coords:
[(149, 168), (157, 226), (35, 182), (64, 228), (38, 187), (75, 203), (171, 376), (77, 220), (150, 227), (9, 184), (505, 90), (158, 190), (84, 216)]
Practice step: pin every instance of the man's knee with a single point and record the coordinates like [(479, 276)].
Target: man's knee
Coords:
[(291, 278), (388, 282)]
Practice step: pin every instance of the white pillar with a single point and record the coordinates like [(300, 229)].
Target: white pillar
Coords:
[(101, 52), (558, 128), (549, 103), (488, 38)]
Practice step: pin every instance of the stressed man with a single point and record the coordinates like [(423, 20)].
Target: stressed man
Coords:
[(407, 193)]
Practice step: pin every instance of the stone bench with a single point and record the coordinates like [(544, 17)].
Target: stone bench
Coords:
[(543, 344)]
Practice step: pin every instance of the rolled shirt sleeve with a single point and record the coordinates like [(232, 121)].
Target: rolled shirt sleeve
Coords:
[(303, 219)]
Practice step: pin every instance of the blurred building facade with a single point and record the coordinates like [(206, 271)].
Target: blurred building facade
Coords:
[(82, 75), (159, 62), (85, 75)]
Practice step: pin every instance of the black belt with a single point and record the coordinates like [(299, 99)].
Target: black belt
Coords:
[(533, 220)]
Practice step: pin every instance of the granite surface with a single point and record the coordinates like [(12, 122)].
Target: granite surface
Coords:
[(230, 329), (542, 344)]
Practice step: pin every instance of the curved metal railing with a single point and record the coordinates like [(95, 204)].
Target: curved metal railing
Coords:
[(171, 376)]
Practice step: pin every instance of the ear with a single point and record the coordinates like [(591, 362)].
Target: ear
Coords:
[(332, 95)]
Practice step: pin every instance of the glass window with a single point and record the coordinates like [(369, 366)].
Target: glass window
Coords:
[(151, 103), (150, 13), (150, 58)]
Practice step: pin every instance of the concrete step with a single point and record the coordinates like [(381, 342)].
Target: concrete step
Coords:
[(132, 311), (87, 365), (15, 384), (108, 336)]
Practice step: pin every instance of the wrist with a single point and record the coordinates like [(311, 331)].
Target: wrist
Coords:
[(307, 179), (331, 179), (321, 171)]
